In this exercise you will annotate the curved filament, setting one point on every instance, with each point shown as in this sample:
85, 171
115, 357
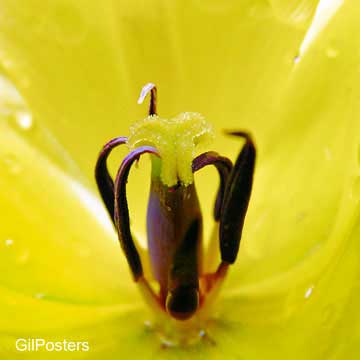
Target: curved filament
103, 179
223, 166
121, 210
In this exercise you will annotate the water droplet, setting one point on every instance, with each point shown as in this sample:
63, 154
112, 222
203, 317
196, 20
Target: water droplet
297, 59
148, 324
205, 337
165, 343
9, 242
309, 291
331, 53
24, 120
17, 253
12, 164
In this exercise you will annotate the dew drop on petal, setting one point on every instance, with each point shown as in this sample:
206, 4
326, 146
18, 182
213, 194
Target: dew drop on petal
9, 242
297, 59
16, 117
331, 53
17, 253
167, 343
148, 324
202, 333
24, 120
309, 292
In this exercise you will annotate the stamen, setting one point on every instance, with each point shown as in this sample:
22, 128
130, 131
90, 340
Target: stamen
103, 179
223, 166
122, 222
150, 87
236, 199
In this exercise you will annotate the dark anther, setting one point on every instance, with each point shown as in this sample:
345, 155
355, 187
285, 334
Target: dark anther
103, 179
122, 222
236, 200
223, 166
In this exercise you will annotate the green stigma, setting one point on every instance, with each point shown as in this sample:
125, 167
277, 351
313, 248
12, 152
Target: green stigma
177, 140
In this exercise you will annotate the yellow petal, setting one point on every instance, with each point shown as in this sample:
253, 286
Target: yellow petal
60, 260
295, 12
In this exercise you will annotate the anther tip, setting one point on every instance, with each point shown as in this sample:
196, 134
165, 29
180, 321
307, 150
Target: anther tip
244, 134
144, 91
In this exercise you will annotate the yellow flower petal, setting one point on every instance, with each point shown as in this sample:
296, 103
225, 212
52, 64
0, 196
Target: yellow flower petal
60, 264
268, 66
295, 12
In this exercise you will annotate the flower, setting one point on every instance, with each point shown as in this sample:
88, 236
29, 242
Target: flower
287, 71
